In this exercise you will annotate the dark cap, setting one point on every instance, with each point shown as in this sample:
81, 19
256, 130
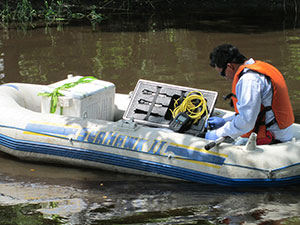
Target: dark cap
224, 54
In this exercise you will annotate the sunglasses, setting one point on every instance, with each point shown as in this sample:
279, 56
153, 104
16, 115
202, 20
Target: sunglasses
222, 73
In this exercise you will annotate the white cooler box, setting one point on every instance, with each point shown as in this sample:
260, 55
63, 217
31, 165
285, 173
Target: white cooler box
94, 100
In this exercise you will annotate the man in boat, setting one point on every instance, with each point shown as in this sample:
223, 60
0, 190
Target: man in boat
259, 97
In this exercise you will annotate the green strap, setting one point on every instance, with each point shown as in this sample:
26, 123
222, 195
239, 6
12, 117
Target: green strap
55, 94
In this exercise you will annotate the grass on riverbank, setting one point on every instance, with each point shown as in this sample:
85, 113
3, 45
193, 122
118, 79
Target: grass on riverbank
50, 12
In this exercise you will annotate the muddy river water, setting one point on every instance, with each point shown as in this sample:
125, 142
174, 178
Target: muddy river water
32, 193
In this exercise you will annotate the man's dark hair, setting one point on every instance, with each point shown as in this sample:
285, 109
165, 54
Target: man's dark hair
224, 54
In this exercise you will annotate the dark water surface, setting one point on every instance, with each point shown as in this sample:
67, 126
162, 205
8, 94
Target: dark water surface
48, 194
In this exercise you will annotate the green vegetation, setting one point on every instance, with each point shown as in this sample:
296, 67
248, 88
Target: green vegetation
58, 11
26, 214
291, 221
50, 12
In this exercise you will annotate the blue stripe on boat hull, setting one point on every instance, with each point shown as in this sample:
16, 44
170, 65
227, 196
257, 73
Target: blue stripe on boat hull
137, 164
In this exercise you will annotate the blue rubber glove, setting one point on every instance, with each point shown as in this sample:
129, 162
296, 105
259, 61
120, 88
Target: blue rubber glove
211, 135
215, 122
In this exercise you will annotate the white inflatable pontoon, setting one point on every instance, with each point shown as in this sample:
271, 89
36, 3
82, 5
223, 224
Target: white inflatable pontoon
91, 126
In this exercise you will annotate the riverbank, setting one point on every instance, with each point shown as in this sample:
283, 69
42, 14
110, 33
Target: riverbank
34, 13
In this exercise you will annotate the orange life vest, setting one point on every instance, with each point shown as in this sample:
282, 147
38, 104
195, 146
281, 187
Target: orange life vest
281, 105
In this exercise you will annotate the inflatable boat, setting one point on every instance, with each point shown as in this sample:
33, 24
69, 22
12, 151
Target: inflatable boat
81, 121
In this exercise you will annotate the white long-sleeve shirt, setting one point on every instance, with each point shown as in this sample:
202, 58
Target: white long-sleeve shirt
252, 90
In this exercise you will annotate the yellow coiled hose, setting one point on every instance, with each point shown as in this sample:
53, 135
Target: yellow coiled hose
195, 112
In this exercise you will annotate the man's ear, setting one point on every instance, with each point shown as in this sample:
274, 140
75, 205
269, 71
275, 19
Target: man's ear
232, 66
229, 65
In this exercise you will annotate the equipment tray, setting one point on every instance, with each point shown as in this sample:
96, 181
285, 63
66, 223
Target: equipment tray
151, 104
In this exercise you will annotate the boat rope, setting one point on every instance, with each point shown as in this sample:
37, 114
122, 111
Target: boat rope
194, 104
265, 171
56, 92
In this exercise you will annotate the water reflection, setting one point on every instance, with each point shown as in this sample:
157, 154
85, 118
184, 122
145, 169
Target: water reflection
81, 196
177, 56
57, 195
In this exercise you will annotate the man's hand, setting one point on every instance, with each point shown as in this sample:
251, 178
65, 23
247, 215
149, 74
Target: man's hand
211, 135
215, 122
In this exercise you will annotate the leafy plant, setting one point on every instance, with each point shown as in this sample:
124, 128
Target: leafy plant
52, 12
57, 11
94, 17
24, 11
